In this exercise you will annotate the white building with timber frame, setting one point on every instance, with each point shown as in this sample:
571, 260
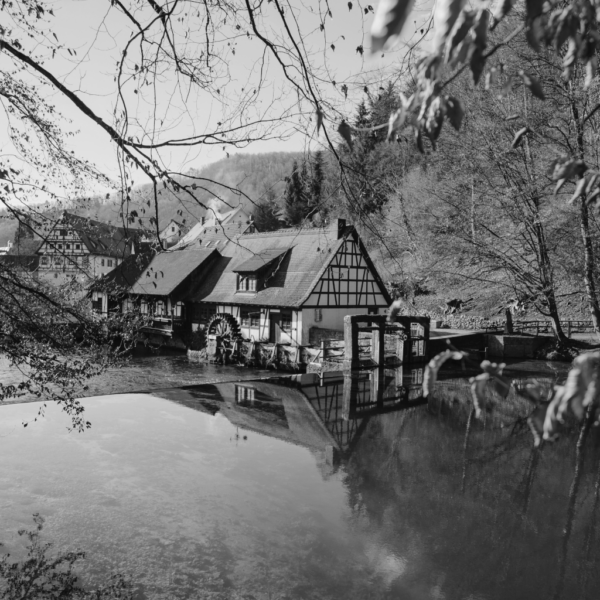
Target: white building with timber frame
83, 249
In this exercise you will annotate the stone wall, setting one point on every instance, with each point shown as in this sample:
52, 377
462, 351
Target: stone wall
316, 334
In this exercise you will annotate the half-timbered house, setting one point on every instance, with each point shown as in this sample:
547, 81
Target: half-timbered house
172, 233
83, 249
290, 285
153, 285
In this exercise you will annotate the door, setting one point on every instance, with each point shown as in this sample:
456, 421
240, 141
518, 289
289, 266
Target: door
275, 327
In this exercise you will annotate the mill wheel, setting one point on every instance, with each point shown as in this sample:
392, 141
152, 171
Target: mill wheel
224, 325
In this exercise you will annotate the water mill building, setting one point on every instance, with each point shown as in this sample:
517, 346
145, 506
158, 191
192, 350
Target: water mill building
287, 286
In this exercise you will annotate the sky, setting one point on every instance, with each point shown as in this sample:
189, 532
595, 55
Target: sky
95, 32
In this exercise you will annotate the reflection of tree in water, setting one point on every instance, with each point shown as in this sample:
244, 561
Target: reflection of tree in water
475, 505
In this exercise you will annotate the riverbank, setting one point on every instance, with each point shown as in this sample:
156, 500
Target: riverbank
146, 374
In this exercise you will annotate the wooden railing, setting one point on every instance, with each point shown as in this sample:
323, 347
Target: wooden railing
545, 326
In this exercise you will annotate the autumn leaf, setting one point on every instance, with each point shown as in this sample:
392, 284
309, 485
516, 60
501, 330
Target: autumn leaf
590, 71
435, 118
396, 121
346, 132
319, 119
566, 168
434, 365
419, 140
388, 22
459, 33
532, 84
579, 189
519, 136
478, 392
444, 18
504, 7
454, 112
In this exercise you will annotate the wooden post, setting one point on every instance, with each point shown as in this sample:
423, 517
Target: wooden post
322, 351
508, 326
378, 344
376, 384
568, 329
349, 397
351, 355
399, 347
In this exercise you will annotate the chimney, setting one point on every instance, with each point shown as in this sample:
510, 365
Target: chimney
338, 226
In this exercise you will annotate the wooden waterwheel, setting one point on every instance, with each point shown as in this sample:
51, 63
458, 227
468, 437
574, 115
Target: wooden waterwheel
224, 325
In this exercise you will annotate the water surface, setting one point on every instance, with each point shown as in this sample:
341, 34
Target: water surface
309, 488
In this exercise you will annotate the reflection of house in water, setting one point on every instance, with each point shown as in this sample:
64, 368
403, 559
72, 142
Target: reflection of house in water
323, 412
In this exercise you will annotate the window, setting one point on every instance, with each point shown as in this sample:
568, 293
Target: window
68, 246
318, 315
244, 394
60, 246
128, 305
286, 322
159, 308
58, 260
109, 262
250, 317
417, 330
102, 263
45, 260
86, 262
178, 310
62, 232
144, 307
77, 246
246, 283
418, 348
416, 376
203, 313
173, 229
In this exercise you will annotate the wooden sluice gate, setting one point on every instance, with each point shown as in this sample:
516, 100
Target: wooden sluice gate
369, 341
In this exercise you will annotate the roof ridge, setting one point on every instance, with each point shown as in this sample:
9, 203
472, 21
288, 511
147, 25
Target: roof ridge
292, 231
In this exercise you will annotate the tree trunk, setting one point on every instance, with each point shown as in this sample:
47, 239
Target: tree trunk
588, 272
588, 249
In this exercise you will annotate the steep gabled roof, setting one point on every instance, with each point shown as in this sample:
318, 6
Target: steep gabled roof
101, 238
123, 276
261, 260
168, 270
290, 281
204, 232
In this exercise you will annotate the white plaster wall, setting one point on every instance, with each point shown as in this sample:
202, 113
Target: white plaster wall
264, 330
333, 318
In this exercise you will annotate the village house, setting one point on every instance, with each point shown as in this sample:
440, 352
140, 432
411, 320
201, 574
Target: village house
290, 286
172, 233
154, 285
237, 218
77, 248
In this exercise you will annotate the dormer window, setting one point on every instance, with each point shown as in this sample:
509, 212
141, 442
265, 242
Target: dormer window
246, 283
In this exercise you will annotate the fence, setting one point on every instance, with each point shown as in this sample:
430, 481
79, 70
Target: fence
545, 326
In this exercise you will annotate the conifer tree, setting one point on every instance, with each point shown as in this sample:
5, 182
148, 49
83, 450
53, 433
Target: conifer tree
296, 200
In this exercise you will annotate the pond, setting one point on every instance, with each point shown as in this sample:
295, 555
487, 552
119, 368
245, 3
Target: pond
310, 487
